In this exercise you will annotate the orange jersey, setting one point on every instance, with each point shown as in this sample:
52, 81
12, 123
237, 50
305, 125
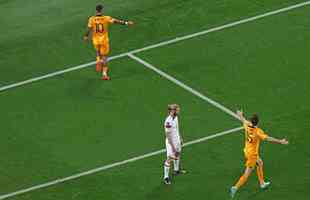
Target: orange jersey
99, 25
253, 137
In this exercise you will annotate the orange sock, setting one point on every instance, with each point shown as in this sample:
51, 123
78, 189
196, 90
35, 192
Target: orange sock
98, 64
260, 174
242, 180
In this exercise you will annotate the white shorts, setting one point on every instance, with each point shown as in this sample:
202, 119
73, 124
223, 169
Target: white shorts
177, 146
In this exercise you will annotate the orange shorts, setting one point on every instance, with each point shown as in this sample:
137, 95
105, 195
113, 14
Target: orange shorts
101, 45
251, 160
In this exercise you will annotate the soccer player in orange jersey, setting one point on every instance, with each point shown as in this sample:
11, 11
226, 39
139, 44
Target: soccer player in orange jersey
98, 25
253, 137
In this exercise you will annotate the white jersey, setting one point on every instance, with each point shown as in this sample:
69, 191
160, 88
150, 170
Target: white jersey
172, 126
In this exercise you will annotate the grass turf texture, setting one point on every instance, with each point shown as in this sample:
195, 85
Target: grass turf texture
76, 122
268, 75
44, 36
73, 123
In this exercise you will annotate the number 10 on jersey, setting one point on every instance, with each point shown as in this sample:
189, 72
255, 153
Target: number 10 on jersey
99, 28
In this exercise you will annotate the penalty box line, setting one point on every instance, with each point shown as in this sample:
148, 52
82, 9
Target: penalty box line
116, 164
184, 86
160, 44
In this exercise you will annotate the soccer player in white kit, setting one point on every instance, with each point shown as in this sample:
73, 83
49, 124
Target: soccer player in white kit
173, 142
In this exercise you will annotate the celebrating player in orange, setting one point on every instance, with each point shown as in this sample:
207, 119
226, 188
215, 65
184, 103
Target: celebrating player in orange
98, 25
253, 137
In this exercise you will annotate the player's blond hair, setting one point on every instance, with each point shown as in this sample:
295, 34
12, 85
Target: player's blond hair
173, 107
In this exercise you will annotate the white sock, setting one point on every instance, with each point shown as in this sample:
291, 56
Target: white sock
166, 170
176, 164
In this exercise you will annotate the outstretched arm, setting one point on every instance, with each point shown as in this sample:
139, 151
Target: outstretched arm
277, 141
122, 22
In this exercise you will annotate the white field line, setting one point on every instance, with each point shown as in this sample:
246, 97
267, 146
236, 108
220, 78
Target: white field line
236, 23
182, 85
105, 167
45, 76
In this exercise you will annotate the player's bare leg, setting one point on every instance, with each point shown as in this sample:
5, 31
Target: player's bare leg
242, 180
105, 68
260, 174
167, 165
98, 62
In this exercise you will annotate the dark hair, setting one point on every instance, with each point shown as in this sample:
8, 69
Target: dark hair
254, 119
99, 8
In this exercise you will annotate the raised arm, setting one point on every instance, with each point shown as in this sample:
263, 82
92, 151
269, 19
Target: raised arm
241, 116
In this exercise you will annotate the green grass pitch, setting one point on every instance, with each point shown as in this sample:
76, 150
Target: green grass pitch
75, 122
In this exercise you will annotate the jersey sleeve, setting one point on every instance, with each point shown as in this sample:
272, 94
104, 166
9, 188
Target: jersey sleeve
168, 126
110, 19
261, 134
90, 22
